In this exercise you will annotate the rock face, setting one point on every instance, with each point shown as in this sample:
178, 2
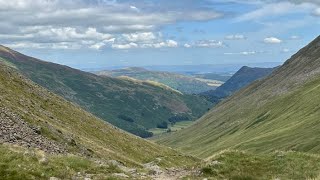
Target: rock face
15, 130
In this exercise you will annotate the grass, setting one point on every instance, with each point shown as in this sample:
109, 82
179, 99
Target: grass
61, 121
176, 127
20, 163
280, 112
239, 165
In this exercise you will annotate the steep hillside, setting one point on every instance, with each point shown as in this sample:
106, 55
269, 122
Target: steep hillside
240, 79
32, 117
183, 83
134, 106
280, 112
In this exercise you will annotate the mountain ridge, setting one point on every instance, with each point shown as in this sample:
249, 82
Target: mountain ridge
243, 77
183, 83
132, 106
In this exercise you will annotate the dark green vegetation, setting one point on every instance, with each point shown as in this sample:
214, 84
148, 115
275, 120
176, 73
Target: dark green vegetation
240, 79
79, 132
185, 84
237, 165
279, 112
143, 104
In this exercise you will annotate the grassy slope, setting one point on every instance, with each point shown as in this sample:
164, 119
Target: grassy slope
280, 112
185, 84
237, 165
107, 98
21, 163
61, 120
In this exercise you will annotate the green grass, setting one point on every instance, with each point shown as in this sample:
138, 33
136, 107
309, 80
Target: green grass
176, 127
20, 163
238, 165
110, 98
280, 112
61, 120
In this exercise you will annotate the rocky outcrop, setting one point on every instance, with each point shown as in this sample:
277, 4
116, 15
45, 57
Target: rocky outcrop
15, 130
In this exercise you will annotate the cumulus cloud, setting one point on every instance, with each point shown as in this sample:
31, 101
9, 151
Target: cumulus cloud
162, 44
88, 24
209, 44
285, 50
245, 53
187, 45
272, 40
294, 37
125, 46
235, 37
165, 44
140, 37
316, 12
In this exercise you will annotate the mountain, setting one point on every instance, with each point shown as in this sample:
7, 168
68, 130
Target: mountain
209, 68
223, 77
240, 79
279, 112
132, 105
185, 84
42, 135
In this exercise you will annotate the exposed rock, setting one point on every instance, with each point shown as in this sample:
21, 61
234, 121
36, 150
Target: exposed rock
53, 178
120, 175
15, 130
153, 168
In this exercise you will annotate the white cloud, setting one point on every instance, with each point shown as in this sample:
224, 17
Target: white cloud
294, 37
235, 37
316, 12
272, 40
89, 23
164, 44
140, 37
245, 53
209, 44
134, 8
125, 46
187, 45
285, 50
276, 9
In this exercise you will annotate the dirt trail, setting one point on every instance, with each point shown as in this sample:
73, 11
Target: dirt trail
174, 174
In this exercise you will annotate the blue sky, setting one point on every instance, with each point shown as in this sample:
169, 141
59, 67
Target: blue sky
104, 33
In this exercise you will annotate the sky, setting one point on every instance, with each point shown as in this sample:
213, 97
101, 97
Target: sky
106, 33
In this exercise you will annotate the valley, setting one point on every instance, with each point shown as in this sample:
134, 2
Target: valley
129, 104
184, 83
159, 90
258, 131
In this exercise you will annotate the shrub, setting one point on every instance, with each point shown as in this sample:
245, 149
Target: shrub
163, 125
175, 119
126, 118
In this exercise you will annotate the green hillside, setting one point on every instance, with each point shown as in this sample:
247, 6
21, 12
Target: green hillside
183, 83
243, 77
70, 139
134, 106
280, 112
